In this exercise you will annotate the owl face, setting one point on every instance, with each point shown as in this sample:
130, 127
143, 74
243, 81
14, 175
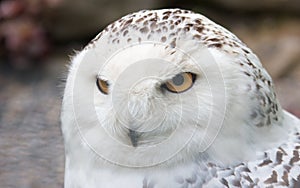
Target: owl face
163, 82
146, 97
150, 95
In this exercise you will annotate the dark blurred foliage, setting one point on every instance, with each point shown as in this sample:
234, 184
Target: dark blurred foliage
28, 28
242, 6
23, 38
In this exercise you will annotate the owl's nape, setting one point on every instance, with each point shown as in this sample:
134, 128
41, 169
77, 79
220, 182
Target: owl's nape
168, 98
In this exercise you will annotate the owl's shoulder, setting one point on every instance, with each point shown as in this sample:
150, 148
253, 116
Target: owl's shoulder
278, 166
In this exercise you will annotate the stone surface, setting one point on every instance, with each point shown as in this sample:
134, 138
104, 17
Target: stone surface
31, 144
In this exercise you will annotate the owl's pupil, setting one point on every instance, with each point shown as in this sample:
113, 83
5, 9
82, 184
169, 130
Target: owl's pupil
178, 80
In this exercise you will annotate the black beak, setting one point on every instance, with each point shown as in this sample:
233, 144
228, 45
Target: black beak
134, 136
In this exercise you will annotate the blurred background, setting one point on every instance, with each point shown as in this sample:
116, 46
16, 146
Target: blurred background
38, 36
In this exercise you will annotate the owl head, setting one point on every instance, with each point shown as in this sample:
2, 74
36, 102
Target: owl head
164, 86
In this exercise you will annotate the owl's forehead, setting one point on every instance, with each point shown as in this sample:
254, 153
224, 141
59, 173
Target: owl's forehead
168, 31
148, 60
168, 26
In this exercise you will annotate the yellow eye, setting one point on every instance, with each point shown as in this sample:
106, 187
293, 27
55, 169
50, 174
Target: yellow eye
102, 86
180, 83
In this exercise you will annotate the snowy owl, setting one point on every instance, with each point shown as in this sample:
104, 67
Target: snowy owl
168, 98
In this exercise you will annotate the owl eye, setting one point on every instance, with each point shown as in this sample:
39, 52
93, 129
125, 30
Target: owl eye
180, 83
102, 85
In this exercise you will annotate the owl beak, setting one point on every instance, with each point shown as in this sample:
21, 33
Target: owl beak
134, 136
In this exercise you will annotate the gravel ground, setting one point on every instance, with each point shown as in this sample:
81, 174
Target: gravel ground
31, 144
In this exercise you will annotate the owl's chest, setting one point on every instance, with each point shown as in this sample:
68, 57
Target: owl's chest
92, 177
274, 170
